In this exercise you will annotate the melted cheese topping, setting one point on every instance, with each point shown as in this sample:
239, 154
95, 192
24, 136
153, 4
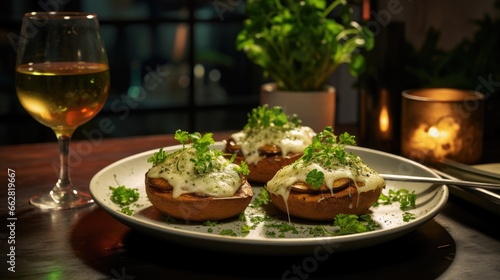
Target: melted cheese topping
289, 141
179, 171
281, 183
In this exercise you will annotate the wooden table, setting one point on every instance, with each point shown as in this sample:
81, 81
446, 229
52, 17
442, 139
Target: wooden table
462, 241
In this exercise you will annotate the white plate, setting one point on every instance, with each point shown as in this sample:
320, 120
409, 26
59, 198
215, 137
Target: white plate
130, 172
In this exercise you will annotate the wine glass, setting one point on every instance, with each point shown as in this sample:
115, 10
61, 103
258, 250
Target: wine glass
62, 80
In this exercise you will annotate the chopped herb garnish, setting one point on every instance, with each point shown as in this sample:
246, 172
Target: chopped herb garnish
407, 216
317, 231
127, 211
242, 217
124, 196
246, 229
282, 229
210, 223
349, 224
229, 232
406, 199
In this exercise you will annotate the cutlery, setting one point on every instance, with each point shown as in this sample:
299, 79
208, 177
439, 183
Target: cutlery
487, 199
407, 178
466, 172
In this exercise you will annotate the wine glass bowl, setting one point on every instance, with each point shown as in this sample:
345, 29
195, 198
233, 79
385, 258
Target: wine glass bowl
62, 80
62, 95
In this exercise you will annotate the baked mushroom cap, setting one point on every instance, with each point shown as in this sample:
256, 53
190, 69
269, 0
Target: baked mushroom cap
326, 181
269, 140
325, 204
266, 167
192, 207
196, 183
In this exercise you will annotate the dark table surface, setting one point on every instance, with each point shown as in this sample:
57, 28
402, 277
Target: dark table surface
460, 242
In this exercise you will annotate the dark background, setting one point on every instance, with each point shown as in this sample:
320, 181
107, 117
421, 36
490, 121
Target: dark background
450, 43
143, 37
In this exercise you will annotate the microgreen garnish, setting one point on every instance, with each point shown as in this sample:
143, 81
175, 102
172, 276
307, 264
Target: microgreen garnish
158, 157
204, 159
242, 168
182, 137
328, 150
265, 116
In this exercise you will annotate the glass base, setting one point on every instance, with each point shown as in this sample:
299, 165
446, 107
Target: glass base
61, 200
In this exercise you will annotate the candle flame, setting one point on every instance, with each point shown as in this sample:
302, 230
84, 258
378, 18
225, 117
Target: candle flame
384, 120
440, 139
438, 134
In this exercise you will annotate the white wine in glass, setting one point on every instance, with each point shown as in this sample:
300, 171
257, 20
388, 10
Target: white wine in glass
62, 80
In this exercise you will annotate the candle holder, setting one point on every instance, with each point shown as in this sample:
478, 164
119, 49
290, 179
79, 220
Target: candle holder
438, 123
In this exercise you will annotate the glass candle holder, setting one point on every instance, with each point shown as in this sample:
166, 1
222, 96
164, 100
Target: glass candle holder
438, 123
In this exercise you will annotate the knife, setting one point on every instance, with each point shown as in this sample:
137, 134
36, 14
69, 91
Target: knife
466, 172
407, 178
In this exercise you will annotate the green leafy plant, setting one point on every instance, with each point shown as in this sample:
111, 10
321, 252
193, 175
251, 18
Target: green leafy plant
299, 44
462, 64
458, 67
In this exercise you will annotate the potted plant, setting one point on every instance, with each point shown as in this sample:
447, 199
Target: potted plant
299, 44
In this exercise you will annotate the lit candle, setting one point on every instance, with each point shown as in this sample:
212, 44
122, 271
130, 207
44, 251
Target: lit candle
384, 121
442, 123
440, 140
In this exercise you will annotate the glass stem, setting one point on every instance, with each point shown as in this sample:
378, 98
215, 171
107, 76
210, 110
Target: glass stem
64, 182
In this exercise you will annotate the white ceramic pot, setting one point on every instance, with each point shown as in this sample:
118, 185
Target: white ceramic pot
316, 109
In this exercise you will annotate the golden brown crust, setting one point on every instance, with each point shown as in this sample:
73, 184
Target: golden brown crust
196, 208
263, 170
323, 205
